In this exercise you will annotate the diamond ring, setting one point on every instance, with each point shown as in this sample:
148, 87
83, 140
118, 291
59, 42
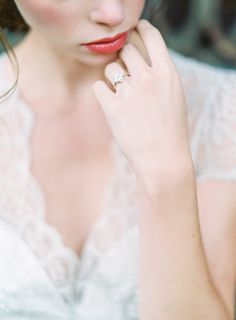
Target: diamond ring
118, 78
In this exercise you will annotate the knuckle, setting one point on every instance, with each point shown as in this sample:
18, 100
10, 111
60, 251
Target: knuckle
146, 79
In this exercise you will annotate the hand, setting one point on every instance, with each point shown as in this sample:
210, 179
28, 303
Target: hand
147, 113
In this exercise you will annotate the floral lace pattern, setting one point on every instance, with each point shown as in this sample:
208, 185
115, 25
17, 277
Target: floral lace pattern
211, 98
50, 280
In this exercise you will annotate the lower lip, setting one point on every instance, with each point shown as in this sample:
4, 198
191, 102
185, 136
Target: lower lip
108, 47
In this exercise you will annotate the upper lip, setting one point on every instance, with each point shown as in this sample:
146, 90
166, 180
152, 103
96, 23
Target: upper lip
108, 39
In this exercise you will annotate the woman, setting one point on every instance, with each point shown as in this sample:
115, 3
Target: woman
115, 203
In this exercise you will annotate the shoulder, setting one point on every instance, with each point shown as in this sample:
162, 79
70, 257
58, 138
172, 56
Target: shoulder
207, 88
16, 120
201, 79
185, 63
211, 100
7, 83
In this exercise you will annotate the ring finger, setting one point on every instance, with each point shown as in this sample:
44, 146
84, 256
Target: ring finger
117, 76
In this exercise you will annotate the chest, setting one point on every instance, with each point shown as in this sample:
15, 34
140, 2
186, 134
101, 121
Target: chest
74, 182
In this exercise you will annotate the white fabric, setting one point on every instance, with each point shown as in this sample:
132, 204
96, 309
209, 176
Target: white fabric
41, 278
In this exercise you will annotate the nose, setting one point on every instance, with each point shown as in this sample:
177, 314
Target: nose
108, 12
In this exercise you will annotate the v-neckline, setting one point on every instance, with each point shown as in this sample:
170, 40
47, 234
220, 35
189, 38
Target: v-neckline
23, 105
24, 110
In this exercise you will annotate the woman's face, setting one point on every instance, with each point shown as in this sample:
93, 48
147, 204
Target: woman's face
67, 24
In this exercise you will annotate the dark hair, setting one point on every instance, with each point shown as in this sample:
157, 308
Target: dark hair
10, 18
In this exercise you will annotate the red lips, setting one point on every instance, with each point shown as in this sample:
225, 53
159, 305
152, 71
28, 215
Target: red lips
108, 45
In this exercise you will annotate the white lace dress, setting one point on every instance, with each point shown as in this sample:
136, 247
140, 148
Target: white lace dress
41, 278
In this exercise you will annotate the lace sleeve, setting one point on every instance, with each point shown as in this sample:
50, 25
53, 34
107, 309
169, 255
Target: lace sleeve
215, 153
211, 99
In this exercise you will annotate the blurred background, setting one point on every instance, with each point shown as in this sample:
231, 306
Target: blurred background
203, 29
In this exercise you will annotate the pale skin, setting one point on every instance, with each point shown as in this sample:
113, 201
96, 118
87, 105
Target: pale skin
147, 118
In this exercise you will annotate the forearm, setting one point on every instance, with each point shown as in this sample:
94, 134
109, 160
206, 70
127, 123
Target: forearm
175, 282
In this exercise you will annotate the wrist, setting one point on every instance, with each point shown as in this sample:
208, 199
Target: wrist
154, 175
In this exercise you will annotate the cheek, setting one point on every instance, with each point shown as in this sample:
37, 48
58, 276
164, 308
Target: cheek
44, 12
137, 7
140, 3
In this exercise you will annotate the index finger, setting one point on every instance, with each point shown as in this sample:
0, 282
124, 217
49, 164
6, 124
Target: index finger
155, 44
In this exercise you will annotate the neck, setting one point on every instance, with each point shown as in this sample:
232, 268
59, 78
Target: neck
56, 71
53, 84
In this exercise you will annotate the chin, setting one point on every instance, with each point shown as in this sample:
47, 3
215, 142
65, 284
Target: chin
96, 60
